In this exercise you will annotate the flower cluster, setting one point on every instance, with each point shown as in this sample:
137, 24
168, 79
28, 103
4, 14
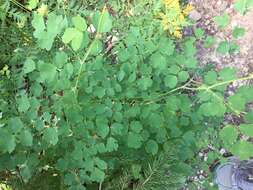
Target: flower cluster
174, 17
5, 71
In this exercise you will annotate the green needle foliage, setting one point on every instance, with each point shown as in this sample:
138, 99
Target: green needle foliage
78, 112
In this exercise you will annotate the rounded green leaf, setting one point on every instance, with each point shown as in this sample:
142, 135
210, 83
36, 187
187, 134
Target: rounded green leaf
121, 75
97, 175
15, 124
68, 35
29, 66
222, 21
99, 92
102, 21
229, 134
170, 81
116, 128
249, 117
26, 138
152, 147
77, 40
174, 69
227, 74
47, 71
112, 144
7, 141
158, 61
134, 140
101, 164
102, 127
25, 172
237, 101
50, 135
247, 129
210, 77
79, 23
136, 126
223, 47
243, 150
32, 4
209, 41
23, 103
145, 83
199, 33
238, 32
183, 76
166, 46
74, 36
96, 47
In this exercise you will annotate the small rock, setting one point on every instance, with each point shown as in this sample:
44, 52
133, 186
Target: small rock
201, 154
222, 151
188, 31
195, 15
91, 29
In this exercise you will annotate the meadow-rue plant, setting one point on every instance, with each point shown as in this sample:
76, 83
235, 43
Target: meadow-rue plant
79, 110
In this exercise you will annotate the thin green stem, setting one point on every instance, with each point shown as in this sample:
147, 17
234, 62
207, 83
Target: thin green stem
203, 87
89, 49
82, 63
225, 82
159, 97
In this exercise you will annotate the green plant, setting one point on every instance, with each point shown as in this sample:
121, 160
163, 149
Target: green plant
79, 111
222, 21
242, 6
238, 32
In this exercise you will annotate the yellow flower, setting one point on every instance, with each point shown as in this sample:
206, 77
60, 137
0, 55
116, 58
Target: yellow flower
43, 10
181, 18
188, 9
178, 34
5, 68
164, 21
174, 18
171, 3
165, 25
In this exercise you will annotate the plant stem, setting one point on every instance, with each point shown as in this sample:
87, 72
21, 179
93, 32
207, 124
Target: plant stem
89, 49
225, 82
100, 186
203, 87
169, 92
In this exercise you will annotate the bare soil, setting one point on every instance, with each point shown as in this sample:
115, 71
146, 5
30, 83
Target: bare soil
242, 61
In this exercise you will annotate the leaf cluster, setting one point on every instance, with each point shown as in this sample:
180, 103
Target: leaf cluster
101, 113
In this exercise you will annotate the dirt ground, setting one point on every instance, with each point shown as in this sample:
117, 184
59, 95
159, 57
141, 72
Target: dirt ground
205, 12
